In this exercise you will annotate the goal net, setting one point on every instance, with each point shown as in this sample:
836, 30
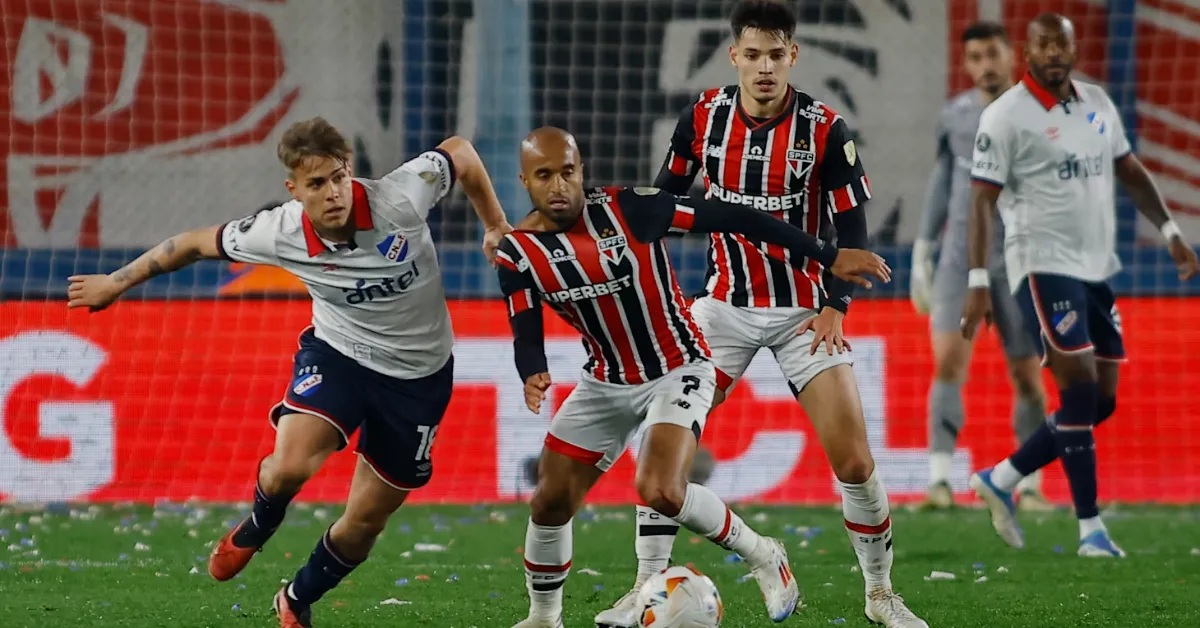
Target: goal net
127, 121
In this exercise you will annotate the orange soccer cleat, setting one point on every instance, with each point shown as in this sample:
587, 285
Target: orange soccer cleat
228, 560
289, 618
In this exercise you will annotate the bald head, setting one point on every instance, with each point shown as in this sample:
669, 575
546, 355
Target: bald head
547, 142
1050, 52
552, 171
1052, 24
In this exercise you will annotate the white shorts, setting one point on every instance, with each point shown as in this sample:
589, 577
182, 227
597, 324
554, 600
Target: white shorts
735, 334
595, 422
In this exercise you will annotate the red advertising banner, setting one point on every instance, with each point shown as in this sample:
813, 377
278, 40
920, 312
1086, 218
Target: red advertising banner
168, 401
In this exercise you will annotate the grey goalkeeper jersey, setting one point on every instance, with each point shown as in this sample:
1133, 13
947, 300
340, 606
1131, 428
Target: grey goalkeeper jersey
948, 192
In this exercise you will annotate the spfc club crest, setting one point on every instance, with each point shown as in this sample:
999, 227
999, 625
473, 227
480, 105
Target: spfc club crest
799, 162
612, 246
394, 248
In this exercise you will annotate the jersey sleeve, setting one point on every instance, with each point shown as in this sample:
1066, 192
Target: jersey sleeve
937, 188
411, 190
524, 310
843, 179
252, 239
681, 165
1117, 137
994, 148
652, 213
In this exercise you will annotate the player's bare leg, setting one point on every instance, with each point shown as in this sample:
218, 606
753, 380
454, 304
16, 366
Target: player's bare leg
663, 464
832, 402
344, 546
654, 539
563, 482
302, 444
1029, 414
951, 356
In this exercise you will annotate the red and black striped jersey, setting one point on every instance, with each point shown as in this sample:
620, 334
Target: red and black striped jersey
801, 166
610, 277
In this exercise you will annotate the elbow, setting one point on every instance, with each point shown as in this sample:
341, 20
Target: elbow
464, 159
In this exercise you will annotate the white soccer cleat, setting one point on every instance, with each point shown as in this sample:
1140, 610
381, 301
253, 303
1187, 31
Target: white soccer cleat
885, 607
1032, 500
1099, 545
534, 622
776, 581
623, 614
1000, 504
938, 497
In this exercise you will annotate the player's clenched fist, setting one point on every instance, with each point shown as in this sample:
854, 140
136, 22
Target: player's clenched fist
535, 391
94, 292
852, 264
977, 309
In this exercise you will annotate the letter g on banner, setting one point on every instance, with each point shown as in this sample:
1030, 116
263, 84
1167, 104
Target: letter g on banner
88, 426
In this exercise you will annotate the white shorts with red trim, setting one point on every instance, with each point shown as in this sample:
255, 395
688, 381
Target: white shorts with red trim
735, 335
595, 422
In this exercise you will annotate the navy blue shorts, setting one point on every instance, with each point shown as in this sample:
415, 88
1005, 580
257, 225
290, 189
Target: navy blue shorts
397, 418
1071, 316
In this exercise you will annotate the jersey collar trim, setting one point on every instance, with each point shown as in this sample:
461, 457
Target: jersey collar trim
764, 125
360, 212
1043, 95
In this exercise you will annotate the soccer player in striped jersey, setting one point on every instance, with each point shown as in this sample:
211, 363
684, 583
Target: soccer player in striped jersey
1047, 156
598, 260
768, 146
378, 355
988, 58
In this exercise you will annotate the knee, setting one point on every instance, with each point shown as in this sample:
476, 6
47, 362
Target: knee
663, 494
854, 469
286, 474
949, 371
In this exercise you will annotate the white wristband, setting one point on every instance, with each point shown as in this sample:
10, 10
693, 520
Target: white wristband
1170, 229
977, 278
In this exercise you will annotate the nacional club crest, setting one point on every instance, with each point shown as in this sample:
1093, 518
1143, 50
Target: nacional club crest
1097, 122
799, 162
394, 248
612, 246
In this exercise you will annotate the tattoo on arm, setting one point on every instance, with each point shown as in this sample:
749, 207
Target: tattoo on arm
122, 276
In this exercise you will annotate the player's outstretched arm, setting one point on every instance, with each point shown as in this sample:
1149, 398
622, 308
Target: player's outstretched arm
933, 219
477, 185
680, 167
653, 213
1150, 202
97, 292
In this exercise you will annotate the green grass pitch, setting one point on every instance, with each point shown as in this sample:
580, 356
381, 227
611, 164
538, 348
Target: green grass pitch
138, 566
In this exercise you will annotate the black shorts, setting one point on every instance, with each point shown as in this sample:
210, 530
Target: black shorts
1071, 316
398, 418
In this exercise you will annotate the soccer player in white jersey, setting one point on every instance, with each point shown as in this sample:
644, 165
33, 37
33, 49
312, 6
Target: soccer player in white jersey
767, 145
1045, 156
988, 59
377, 356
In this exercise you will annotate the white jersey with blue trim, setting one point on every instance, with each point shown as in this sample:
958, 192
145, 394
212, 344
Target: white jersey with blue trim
1054, 161
378, 300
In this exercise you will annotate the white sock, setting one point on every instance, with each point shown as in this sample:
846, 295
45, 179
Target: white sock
1005, 476
1090, 525
940, 464
705, 514
1031, 483
869, 526
547, 563
655, 538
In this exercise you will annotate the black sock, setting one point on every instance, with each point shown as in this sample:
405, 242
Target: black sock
323, 571
1106, 408
1039, 450
262, 523
1077, 445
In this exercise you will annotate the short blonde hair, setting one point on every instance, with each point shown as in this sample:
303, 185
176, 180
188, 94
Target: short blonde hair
314, 137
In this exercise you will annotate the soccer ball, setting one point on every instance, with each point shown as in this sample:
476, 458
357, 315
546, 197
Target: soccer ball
680, 597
